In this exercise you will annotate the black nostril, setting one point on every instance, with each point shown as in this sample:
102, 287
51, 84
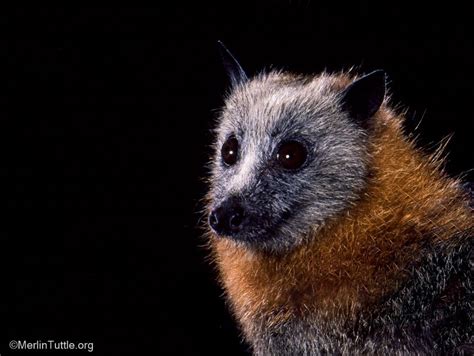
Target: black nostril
236, 219
228, 218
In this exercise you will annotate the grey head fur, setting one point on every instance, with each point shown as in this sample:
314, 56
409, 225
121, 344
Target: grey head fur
281, 207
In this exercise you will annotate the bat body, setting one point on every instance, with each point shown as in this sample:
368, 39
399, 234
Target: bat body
331, 231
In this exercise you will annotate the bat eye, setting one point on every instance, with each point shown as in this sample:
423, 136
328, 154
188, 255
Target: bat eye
291, 155
230, 150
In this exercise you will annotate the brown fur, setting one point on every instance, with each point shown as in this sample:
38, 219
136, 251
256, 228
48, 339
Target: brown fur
361, 255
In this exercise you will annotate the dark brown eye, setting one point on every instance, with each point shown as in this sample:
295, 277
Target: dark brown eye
229, 150
291, 155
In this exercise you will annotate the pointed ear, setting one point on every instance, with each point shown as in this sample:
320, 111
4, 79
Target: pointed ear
363, 98
234, 70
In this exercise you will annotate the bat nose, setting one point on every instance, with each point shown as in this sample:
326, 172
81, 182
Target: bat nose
228, 218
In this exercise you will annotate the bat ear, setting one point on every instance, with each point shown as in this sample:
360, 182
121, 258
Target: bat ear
234, 70
363, 98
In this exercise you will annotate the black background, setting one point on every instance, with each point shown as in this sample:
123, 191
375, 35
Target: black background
104, 132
